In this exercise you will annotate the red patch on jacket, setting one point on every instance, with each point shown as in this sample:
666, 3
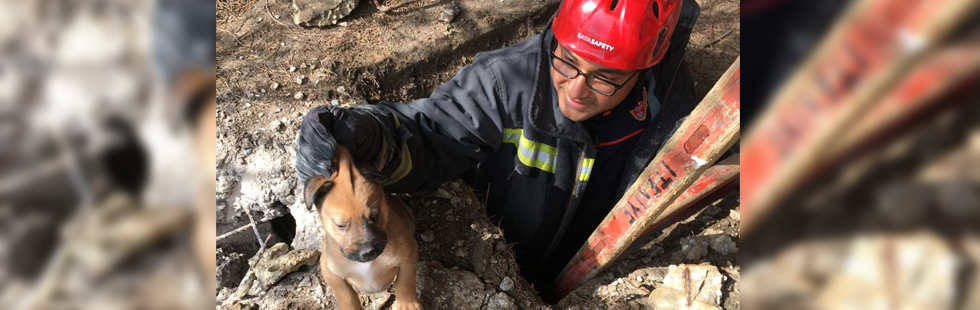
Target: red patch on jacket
640, 111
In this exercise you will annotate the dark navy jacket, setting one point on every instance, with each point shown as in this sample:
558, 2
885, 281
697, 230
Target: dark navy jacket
498, 122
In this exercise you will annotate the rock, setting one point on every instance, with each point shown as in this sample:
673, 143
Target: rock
301, 79
918, 269
231, 268
335, 102
319, 13
298, 290
500, 301
298, 95
447, 15
237, 305
500, 246
688, 287
666, 298
442, 193
278, 261
292, 68
309, 228
723, 244
479, 255
275, 86
506, 284
694, 247
443, 288
276, 125
428, 235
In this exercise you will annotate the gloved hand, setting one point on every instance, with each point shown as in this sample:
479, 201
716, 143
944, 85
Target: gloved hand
316, 145
325, 126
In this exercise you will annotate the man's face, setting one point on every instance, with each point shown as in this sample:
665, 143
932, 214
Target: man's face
576, 100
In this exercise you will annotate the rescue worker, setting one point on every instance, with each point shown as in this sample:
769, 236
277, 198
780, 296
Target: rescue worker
552, 130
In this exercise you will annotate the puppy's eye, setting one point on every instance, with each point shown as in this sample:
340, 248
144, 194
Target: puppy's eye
373, 217
342, 226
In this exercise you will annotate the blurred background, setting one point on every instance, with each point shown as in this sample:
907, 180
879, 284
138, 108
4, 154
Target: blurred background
860, 184
106, 154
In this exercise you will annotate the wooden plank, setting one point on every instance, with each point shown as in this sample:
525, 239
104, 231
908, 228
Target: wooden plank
870, 49
710, 130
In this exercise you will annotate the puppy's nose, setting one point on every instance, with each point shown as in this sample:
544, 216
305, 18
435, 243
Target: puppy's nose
368, 253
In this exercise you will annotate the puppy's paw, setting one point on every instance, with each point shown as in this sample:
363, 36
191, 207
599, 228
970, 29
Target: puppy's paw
406, 305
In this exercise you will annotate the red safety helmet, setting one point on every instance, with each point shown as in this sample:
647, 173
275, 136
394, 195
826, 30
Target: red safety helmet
621, 34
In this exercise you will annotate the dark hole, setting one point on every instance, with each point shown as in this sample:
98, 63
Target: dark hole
284, 226
612, 6
126, 162
656, 10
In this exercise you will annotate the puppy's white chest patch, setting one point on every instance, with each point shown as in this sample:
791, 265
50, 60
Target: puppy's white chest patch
363, 272
365, 278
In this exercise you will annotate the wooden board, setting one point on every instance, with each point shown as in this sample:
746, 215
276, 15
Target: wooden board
710, 130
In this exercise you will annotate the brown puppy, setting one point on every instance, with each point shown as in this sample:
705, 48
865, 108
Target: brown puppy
370, 237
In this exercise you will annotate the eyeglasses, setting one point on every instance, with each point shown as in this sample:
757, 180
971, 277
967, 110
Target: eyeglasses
597, 83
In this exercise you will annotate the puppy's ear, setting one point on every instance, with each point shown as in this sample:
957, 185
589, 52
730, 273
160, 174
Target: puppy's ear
314, 191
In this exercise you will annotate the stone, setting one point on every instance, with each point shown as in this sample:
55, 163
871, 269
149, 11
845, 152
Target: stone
500, 245
506, 284
309, 228
231, 268
688, 287
919, 268
723, 244
447, 15
443, 288
275, 86
500, 301
666, 298
694, 247
278, 261
300, 79
479, 255
320, 13
298, 95
276, 125
299, 290
292, 68
428, 235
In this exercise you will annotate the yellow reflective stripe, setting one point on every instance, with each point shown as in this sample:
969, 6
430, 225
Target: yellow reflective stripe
397, 122
583, 175
538, 155
404, 167
538, 147
512, 135
533, 154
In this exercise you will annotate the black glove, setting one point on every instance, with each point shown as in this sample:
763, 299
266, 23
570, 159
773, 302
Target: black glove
325, 126
316, 145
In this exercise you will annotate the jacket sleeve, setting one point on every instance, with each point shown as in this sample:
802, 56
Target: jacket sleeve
418, 145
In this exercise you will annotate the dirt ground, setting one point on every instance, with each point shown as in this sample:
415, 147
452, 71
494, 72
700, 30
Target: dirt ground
263, 61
